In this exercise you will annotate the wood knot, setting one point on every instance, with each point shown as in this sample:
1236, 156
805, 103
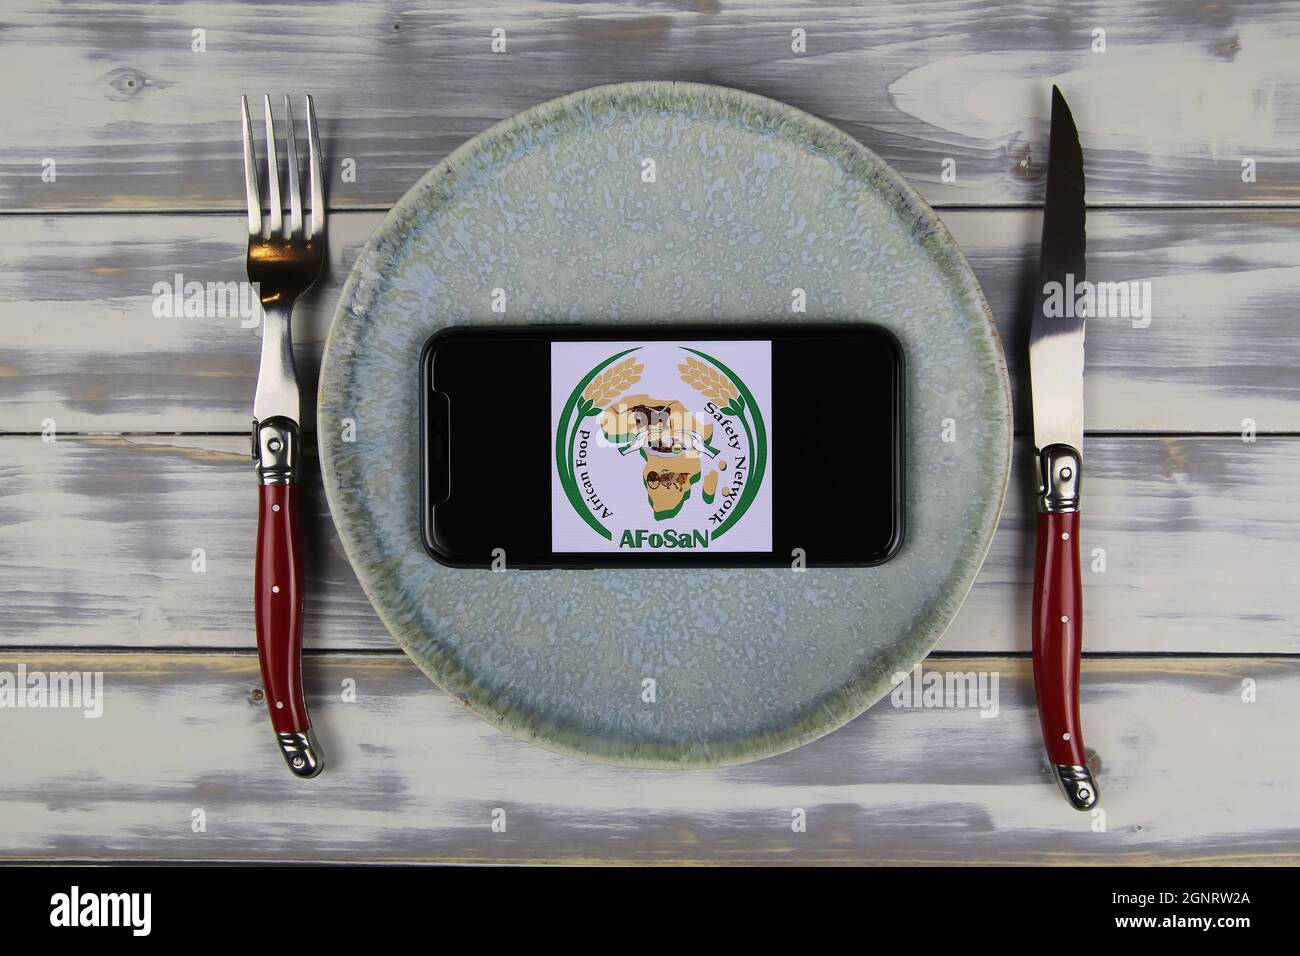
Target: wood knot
1023, 162
125, 82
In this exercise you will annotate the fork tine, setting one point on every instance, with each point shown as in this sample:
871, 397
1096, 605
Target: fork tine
291, 157
273, 170
250, 175
317, 182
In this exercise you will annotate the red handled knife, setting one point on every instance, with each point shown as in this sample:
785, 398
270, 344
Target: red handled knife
1056, 377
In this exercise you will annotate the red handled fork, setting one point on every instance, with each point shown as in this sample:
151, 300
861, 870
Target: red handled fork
283, 263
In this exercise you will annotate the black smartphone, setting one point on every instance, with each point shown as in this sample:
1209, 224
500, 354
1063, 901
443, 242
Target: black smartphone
665, 446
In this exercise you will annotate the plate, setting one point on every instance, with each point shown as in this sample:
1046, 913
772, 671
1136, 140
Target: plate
665, 202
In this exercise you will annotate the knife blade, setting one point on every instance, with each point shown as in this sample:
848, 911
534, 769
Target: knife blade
1056, 388
1056, 335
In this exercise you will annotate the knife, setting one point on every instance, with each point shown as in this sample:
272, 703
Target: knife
1056, 387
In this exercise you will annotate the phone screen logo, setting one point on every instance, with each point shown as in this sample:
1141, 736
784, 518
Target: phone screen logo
677, 426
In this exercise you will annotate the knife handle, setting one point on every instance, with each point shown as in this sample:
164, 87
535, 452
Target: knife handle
278, 595
1058, 625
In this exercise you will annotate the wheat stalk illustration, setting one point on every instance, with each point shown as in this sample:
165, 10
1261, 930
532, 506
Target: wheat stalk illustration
612, 383
708, 382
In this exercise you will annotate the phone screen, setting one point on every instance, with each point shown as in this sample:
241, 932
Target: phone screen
662, 446
579, 446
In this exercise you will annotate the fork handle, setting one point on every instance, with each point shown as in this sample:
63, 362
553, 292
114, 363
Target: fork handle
278, 595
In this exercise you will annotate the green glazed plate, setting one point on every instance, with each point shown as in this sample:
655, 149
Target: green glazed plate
750, 199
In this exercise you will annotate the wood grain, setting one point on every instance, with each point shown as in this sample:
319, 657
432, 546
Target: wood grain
97, 540
114, 93
81, 343
412, 776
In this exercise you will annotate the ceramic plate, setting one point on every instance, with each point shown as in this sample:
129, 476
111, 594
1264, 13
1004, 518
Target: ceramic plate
746, 201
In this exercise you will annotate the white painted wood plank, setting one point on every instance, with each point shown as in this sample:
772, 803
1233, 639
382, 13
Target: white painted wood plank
411, 775
134, 118
97, 540
81, 342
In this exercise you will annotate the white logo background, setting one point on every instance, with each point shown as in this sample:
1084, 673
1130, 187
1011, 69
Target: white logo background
617, 478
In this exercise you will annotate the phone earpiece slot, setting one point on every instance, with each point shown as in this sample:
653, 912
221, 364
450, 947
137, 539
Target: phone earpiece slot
438, 462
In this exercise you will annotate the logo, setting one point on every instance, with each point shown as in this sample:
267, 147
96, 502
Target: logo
1104, 300
75, 908
78, 690
662, 447
200, 300
925, 690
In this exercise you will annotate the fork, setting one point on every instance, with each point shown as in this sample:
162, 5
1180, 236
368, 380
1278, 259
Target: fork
283, 263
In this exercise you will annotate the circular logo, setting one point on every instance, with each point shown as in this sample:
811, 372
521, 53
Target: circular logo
672, 424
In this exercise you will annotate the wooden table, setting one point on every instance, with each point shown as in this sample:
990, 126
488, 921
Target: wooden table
127, 517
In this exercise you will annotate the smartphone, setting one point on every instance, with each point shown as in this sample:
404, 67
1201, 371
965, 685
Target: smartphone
571, 446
